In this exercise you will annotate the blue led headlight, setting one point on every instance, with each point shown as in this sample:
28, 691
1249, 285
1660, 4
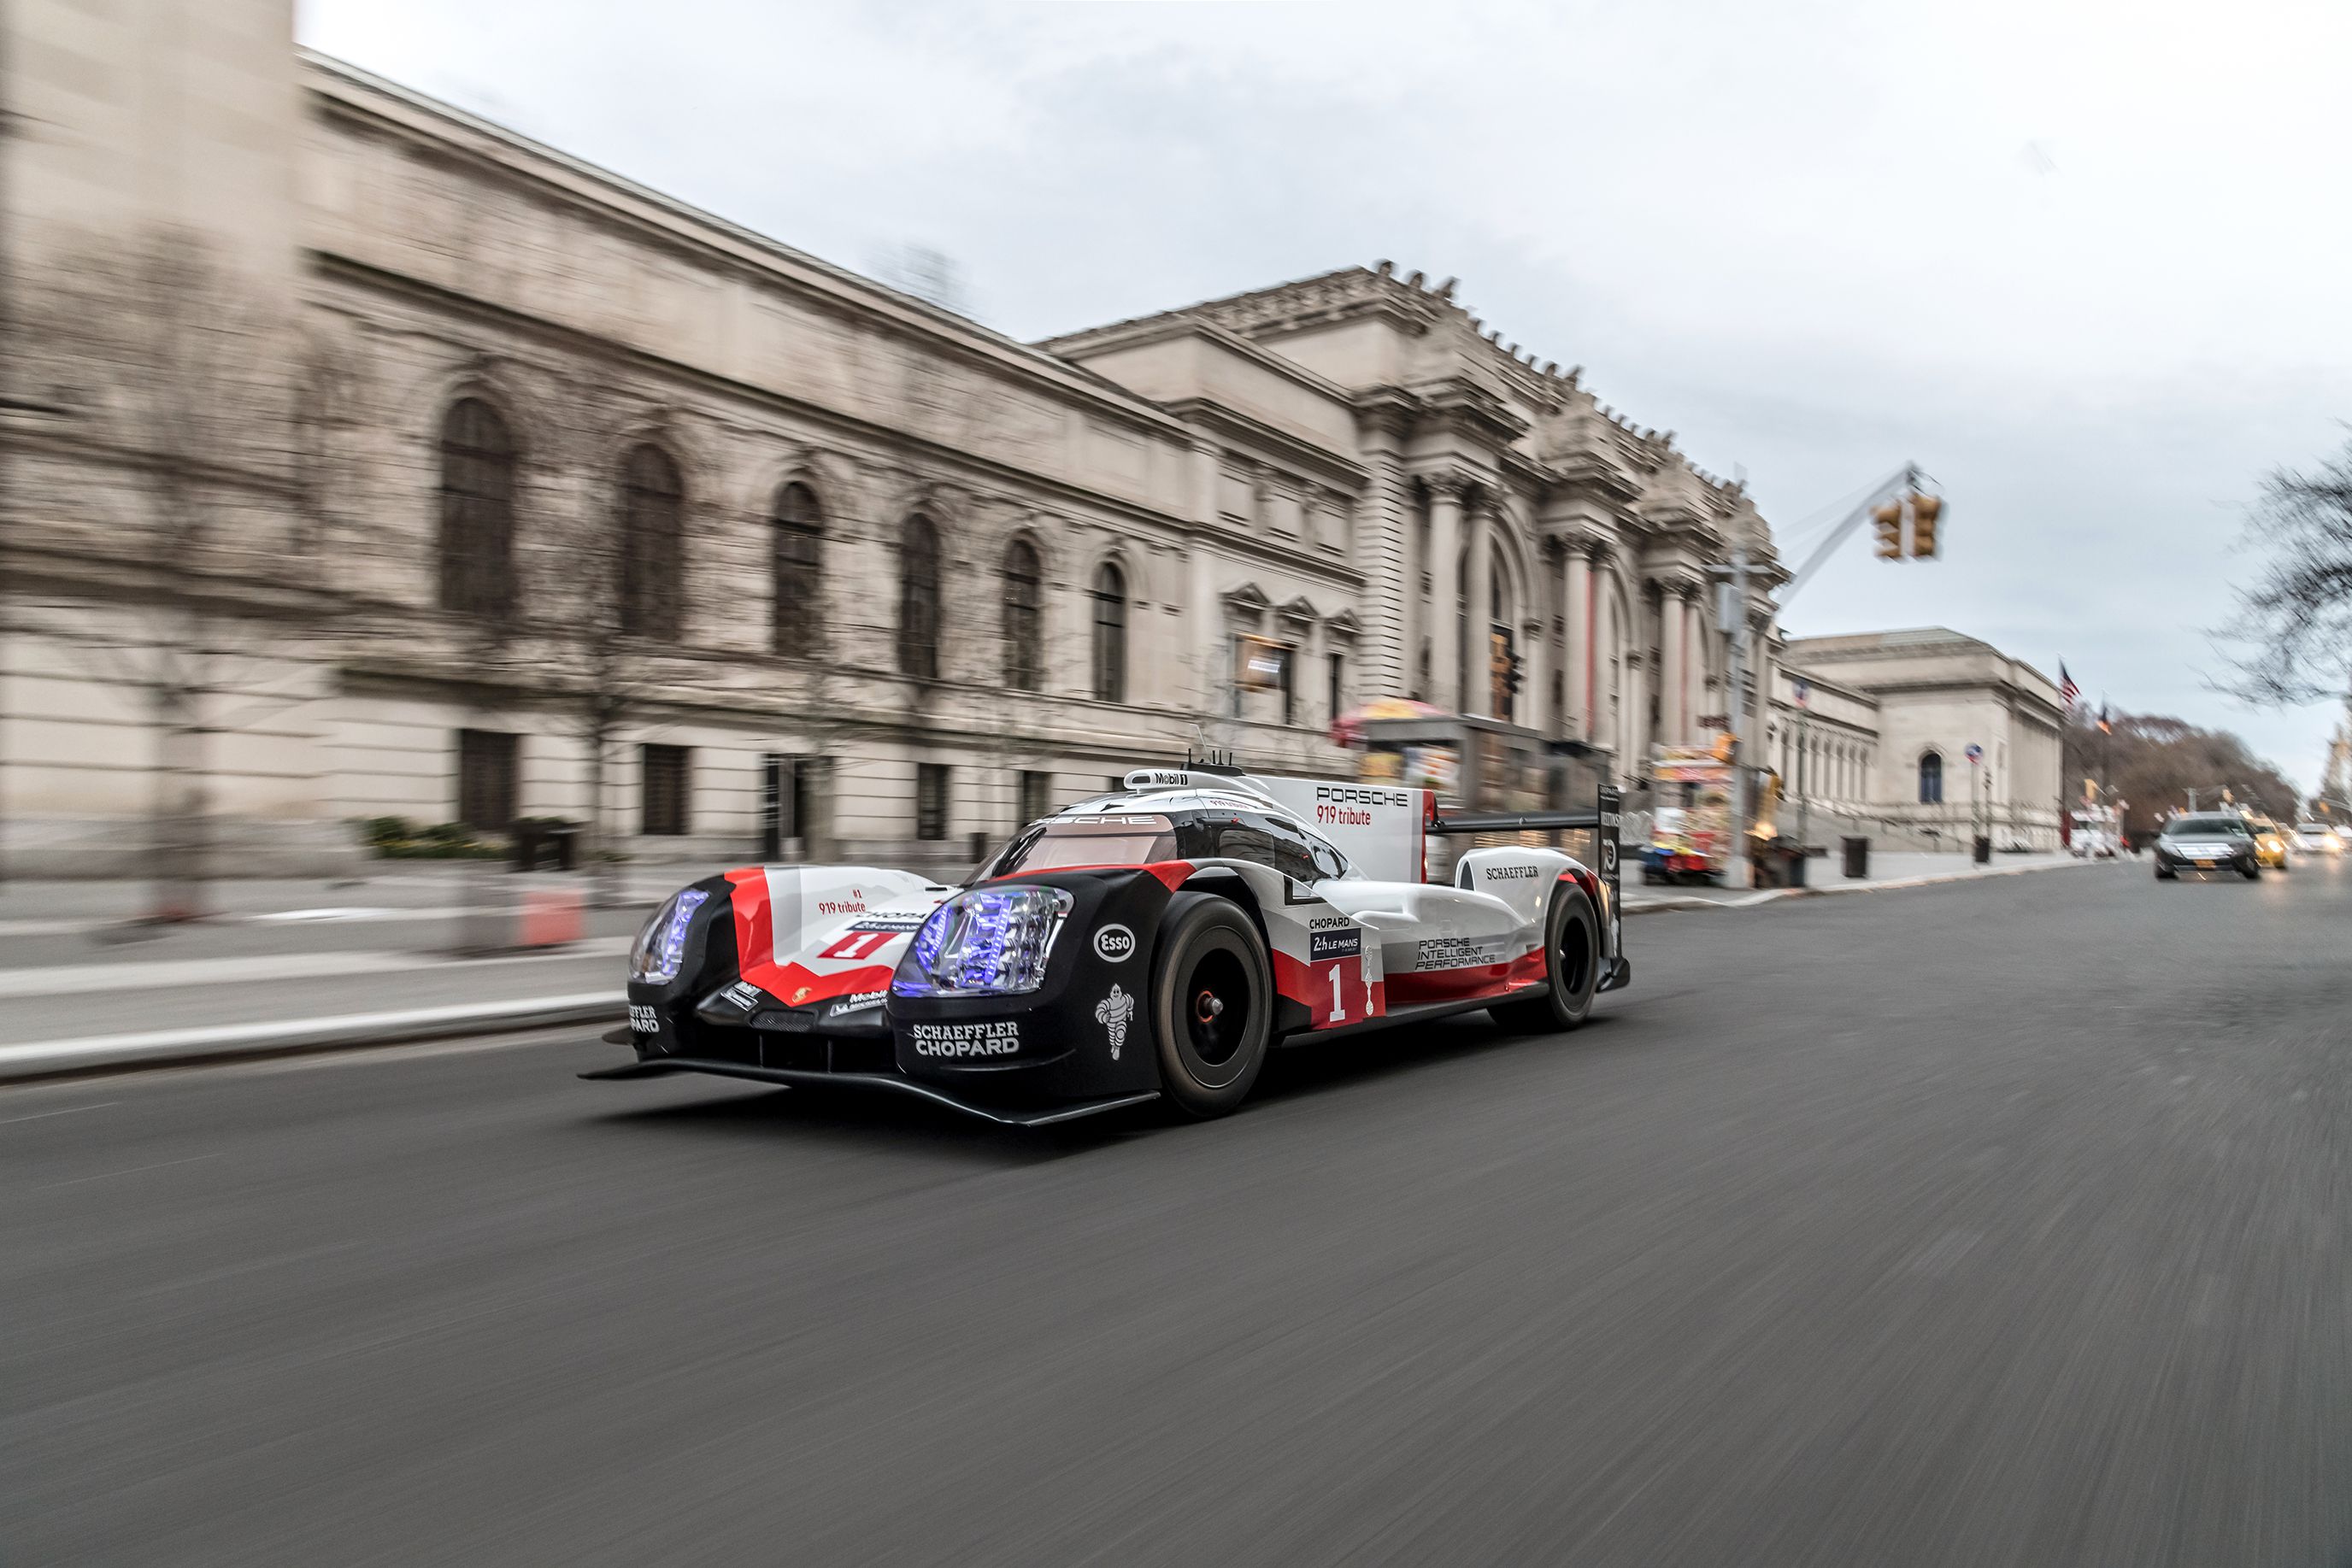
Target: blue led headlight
660, 946
992, 941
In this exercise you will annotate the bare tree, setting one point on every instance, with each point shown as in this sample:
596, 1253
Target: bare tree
161, 530
2295, 625
595, 631
2153, 762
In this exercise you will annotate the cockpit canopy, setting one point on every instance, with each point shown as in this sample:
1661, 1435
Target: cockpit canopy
1095, 835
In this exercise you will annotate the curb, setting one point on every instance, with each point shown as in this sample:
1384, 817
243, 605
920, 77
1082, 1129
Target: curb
1767, 895
225, 1042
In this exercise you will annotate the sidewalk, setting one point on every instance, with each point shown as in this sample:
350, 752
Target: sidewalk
1906, 868
399, 891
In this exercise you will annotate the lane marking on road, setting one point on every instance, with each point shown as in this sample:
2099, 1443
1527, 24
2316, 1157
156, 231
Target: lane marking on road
291, 915
67, 1111
130, 974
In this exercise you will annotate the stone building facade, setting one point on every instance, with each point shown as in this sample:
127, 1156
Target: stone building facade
520, 485
1882, 735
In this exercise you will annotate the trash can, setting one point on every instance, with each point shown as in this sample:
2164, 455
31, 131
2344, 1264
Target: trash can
565, 840
526, 846
1983, 855
1857, 856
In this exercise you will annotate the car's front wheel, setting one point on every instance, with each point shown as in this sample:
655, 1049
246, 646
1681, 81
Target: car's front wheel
2254, 870
1211, 1004
1571, 969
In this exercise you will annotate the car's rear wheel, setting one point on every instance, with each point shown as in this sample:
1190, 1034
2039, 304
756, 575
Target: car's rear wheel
2166, 874
2254, 870
1211, 1004
1571, 969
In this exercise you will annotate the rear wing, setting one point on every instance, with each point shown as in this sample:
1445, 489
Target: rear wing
1384, 829
1604, 822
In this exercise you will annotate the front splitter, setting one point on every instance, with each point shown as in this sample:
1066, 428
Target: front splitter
1045, 1117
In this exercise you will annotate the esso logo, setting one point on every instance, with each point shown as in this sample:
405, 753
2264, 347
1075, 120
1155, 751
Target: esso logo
1113, 944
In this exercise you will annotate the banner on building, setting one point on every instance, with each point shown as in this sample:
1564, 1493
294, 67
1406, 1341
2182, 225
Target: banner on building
1260, 664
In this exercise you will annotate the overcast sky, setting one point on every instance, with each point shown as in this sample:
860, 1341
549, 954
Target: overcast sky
2087, 264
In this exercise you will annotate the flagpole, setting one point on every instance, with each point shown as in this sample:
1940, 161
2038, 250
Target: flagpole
2106, 748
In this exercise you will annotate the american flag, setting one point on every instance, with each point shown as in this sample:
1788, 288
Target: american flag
2068, 690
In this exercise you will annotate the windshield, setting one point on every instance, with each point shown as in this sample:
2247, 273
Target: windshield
2207, 828
1088, 840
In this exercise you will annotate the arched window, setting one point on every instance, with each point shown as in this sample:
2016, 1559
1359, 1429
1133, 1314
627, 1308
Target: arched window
918, 599
653, 544
797, 535
1111, 635
477, 473
1024, 664
1931, 779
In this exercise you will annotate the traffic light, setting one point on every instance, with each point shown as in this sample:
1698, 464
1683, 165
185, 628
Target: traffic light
1515, 674
1888, 520
1925, 510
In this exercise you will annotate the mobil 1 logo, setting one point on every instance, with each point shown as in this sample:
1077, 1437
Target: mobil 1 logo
1113, 944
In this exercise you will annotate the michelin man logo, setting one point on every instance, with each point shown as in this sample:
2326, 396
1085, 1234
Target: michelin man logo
1112, 1012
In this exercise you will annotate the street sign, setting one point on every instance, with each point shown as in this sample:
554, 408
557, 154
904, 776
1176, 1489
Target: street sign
1975, 752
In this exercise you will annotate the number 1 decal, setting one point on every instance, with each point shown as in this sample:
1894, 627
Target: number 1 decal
1338, 1003
857, 944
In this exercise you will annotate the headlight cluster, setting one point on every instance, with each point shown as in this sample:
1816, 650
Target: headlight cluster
660, 946
987, 941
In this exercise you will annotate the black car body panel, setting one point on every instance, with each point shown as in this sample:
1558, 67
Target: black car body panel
1069, 1039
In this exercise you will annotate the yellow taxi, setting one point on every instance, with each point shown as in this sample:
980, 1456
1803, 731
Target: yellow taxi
2270, 843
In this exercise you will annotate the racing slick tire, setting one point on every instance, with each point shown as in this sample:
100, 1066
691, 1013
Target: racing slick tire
1211, 1004
1571, 970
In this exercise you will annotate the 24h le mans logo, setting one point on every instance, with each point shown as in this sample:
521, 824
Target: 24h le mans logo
1112, 1012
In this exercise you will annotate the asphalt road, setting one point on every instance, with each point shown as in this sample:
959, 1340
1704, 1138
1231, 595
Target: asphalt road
1993, 1223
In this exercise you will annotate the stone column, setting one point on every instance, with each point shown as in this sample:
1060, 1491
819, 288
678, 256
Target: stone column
1759, 700
1445, 591
1380, 546
1200, 607
1478, 615
1535, 662
1634, 704
1306, 682
1412, 613
1674, 638
1576, 594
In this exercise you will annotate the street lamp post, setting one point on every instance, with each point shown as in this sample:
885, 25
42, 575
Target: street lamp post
1731, 617
1804, 779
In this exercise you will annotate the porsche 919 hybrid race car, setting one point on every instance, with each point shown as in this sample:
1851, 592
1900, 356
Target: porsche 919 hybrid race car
1153, 942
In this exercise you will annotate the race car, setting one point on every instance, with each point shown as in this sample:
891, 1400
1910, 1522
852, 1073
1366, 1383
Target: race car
1151, 943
